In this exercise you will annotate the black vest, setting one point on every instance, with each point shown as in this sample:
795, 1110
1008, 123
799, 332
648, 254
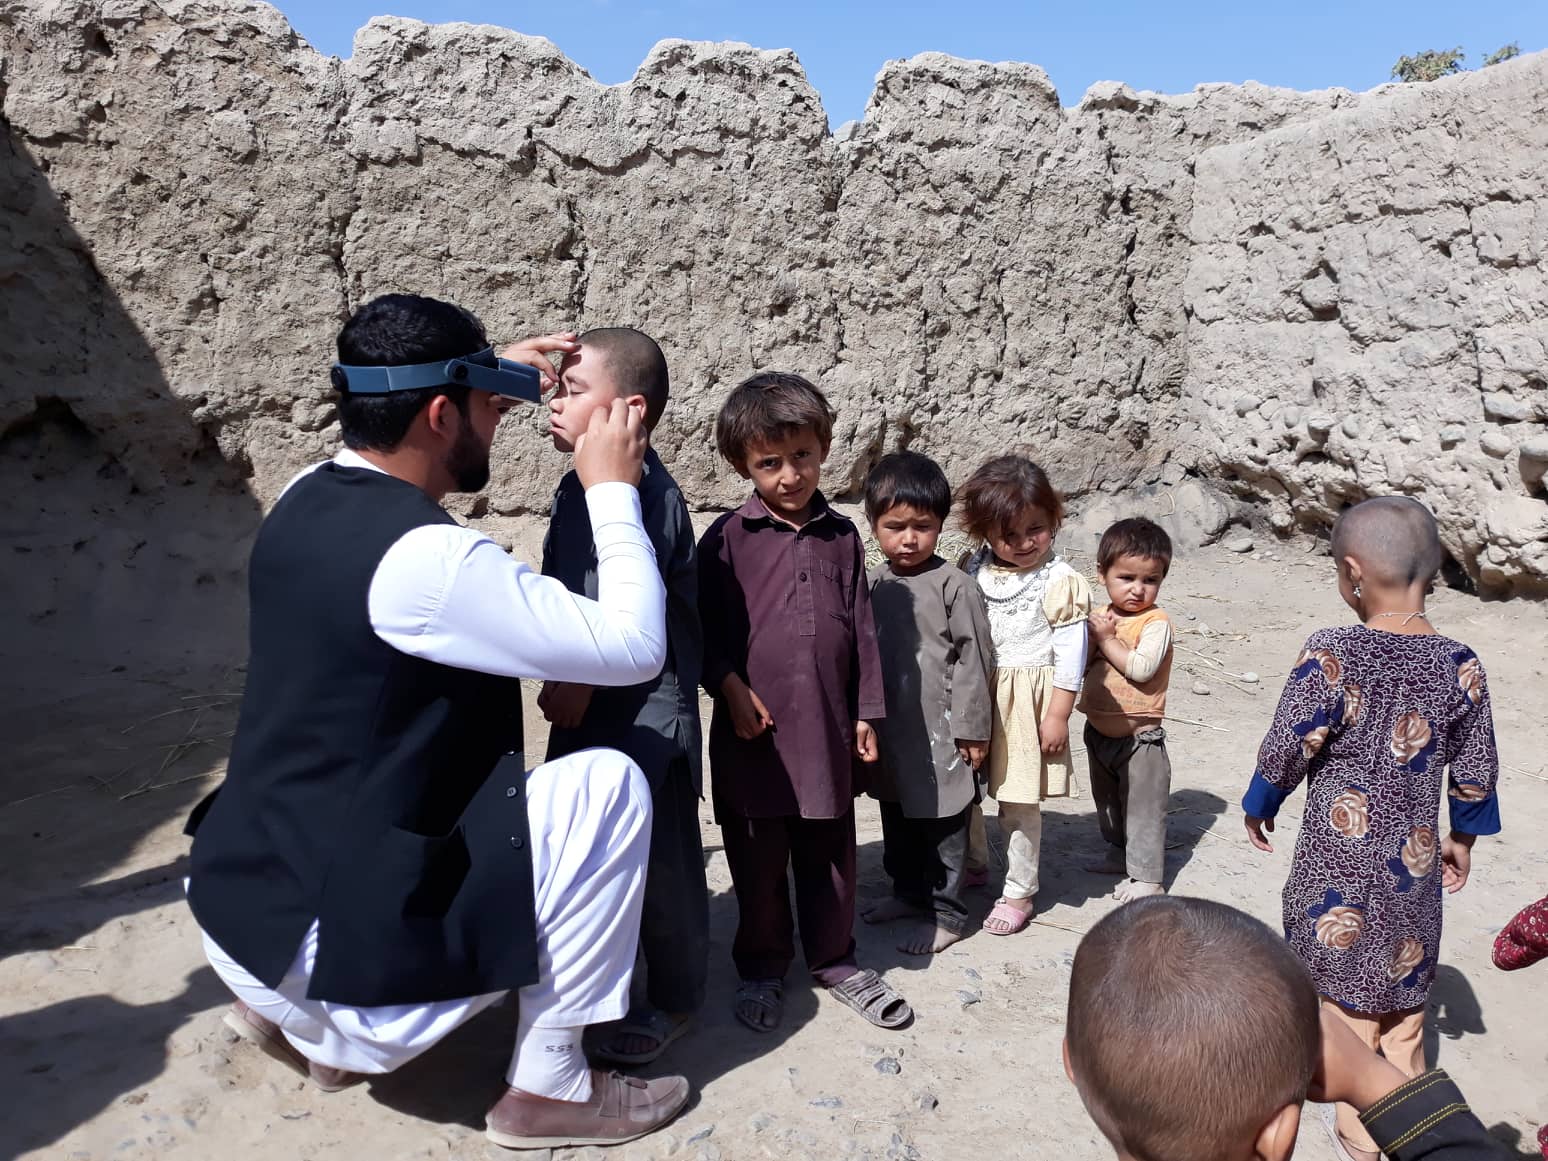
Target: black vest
377, 793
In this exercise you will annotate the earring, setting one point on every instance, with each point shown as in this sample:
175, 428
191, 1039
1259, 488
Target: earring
1357, 592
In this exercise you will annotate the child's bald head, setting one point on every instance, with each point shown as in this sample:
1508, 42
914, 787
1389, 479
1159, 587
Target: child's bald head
1191, 1026
1395, 539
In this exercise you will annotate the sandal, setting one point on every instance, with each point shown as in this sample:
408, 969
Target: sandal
647, 1024
766, 996
874, 998
1013, 917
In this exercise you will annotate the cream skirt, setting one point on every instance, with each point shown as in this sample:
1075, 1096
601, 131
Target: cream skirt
1019, 771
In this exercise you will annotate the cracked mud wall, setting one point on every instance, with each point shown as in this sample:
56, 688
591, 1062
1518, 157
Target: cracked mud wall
968, 268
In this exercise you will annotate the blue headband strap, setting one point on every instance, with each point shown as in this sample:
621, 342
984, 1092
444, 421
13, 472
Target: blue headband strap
481, 371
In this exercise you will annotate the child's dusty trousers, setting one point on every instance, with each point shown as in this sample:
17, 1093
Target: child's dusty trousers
764, 855
1131, 781
926, 859
1022, 825
1400, 1037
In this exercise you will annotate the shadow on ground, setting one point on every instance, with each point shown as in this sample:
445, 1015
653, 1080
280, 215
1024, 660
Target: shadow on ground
64, 1063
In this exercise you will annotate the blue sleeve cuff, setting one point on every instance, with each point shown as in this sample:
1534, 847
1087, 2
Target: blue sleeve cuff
1263, 800
1481, 817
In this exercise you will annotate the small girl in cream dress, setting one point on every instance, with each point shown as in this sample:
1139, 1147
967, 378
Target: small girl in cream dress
1038, 606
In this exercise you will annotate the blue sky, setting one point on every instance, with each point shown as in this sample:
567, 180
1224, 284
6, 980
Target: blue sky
1166, 47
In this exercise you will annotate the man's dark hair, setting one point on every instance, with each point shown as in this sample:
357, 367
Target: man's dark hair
770, 406
1190, 1025
635, 364
1135, 536
394, 330
907, 478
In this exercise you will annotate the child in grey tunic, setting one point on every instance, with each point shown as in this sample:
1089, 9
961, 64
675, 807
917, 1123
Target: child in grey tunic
937, 658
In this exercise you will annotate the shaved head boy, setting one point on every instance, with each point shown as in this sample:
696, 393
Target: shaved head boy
1192, 1033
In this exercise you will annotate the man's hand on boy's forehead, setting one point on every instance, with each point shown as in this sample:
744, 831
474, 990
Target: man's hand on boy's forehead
538, 352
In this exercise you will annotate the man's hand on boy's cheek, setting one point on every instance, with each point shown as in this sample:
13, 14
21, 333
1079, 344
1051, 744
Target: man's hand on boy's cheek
535, 352
865, 741
973, 753
564, 703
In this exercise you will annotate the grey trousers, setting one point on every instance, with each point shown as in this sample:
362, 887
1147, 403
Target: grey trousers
1131, 780
927, 861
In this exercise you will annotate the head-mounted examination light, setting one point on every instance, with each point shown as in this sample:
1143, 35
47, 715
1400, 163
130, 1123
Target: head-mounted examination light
481, 371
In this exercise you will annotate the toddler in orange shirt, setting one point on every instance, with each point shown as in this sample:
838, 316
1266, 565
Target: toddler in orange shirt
1124, 700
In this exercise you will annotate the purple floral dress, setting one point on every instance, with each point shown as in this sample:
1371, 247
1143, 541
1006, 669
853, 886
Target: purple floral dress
1377, 723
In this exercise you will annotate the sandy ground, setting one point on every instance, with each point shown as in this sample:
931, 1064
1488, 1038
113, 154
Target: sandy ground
111, 1044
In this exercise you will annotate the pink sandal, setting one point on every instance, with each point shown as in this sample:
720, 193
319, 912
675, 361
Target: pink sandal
1013, 917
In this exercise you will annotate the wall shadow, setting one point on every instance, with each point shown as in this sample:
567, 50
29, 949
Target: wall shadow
120, 573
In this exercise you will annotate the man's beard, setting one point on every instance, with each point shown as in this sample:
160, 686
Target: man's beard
468, 461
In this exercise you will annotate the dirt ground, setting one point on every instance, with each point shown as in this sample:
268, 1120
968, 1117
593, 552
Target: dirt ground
111, 1044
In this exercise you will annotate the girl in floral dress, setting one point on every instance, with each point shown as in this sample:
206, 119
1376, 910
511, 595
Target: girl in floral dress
1379, 719
1037, 606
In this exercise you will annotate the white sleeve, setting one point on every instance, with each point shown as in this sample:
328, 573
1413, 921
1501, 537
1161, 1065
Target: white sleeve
1069, 651
451, 595
1145, 657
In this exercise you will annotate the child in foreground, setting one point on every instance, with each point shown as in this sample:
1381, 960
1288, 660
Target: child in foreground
1124, 700
655, 723
936, 661
1379, 719
790, 659
1193, 1034
1037, 607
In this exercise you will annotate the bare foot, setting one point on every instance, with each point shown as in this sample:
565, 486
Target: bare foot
1109, 864
998, 925
1132, 889
890, 908
927, 939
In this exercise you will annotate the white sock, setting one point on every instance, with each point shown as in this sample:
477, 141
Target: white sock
549, 1062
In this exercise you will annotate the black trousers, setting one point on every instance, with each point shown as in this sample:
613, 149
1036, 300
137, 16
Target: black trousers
674, 924
927, 860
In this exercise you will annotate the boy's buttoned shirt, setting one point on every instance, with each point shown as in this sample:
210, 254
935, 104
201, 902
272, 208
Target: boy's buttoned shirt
788, 609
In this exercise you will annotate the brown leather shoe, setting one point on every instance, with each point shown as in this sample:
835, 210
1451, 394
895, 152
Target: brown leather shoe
621, 1108
265, 1035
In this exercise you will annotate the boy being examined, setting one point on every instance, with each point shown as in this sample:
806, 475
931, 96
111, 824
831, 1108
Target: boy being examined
655, 723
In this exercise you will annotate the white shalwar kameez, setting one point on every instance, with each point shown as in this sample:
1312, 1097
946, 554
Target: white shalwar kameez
449, 594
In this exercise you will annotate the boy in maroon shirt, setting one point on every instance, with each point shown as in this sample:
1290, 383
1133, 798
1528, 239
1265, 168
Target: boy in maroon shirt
790, 658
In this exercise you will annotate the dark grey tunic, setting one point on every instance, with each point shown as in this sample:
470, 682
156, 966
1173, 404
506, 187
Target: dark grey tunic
657, 722
937, 662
